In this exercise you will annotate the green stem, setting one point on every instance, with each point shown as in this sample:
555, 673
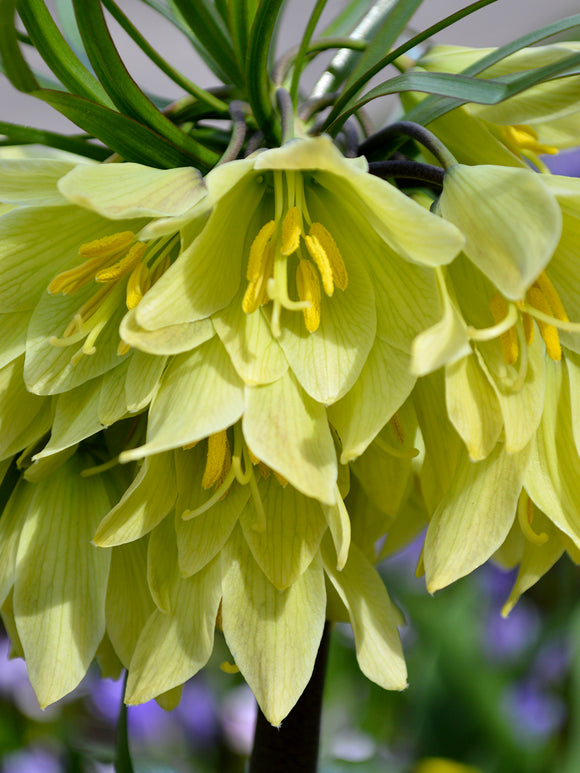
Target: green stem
293, 747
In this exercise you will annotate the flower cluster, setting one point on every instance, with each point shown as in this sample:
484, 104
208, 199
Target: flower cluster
219, 393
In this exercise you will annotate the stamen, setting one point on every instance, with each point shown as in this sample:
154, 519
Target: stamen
509, 339
258, 251
107, 246
220, 492
219, 460
489, 333
528, 327
397, 426
551, 295
309, 290
396, 451
137, 285
321, 258
326, 242
548, 332
525, 518
123, 266
525, 138
291, 231
260, 523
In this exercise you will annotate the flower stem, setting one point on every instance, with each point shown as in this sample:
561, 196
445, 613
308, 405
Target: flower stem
293, 747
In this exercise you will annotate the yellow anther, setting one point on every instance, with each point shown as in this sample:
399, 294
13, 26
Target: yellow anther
123, 348
259, 252
525, 519
551, 295
253, 458
308, 288
397, 426
108, 246
509, 340
291, 231
72, 280
229, 668
325, 241
320, 257
159, 269
137, 285
123, 266
548, 332
525, 138
219, 460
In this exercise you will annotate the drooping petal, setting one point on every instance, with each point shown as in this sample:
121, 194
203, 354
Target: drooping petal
200, 394
473, 407
474, 517
273, 635
61, 581
143, 505
288, 430
293, 530
255, 353
554, 469
511, 221
129, 603
13, 519
382, 386
202, 537
173, 339
174, 646
373, 619
33, 181
22, 417
208, 272
120, 191
143, 376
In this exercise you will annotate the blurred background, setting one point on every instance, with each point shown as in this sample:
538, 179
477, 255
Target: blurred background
486, 693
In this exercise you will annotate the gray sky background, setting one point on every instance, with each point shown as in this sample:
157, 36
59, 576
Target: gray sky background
491, 26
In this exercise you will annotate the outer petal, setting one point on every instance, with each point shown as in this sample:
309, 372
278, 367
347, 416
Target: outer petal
201, 538
61, 581
373, 619
13, 519
383, 385
207, 274
173, 339
22, 414
174, 646
129, 603
294, 527
143, 505
33, 181
288, 430
511, 221
119, 191
474, 516
554, 470
200, 394
273, 635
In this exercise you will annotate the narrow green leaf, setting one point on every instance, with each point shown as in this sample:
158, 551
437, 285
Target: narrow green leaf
304, 44
70, 29
434, 107
241, 17
187, 85
57, 54
122, 89
207, 30
27, 135
15, 67
128, 138
258, 81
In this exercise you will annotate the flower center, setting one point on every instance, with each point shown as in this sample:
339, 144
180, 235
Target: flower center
283, 238
541, 297
223, 467
123, 266
523, 138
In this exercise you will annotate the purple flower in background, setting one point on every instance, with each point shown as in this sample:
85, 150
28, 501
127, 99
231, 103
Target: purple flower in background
567, 163
507, 638
553, 661
534, 714
34, 760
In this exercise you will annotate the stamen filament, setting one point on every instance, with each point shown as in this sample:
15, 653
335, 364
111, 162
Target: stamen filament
187, 515
525, 518
489, 333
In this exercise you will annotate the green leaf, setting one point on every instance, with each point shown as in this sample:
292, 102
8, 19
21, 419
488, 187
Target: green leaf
205, 26
122, 89
123, 763
191, 88
28, 135
15, 67
433, 108
257, 75
57, 54
304, 43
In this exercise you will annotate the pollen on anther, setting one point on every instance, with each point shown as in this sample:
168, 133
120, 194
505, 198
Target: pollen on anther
509, 340
259, 251
107, 246
291, 230
218, 460
309, 290
548, 332
124, 266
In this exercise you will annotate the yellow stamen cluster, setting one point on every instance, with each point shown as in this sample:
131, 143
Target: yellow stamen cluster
273, 246
107, 261
524, 138
543, 297
219, 460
